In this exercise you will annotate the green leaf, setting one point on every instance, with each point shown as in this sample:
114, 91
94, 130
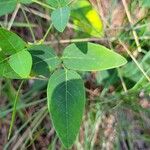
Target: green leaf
145, 3
60, 18
39, 68
46, 54
135, 75
5, 69
91, 57
66, 102
7, 72
26, 1
10, 42
15, 61
21, 63
86, 20
58, 3
7, 6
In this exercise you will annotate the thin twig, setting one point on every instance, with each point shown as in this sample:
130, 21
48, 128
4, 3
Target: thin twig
131, 23
90, 40
78, 40
135, 61
30, 28
37, 13
13, 16
44, 16
47, 32
122, 81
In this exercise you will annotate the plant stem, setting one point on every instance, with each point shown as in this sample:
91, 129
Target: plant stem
47, 32
14, 111
30, 28
135, 61
37, 13
131, 23
122, 81
13, 17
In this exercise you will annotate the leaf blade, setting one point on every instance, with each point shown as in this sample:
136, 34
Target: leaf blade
10, 42
65, 94
58, 3
7, 6
47, 54
91, 57
21, 63
60, 18
7, 72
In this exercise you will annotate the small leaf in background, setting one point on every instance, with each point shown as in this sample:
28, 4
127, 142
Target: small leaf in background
21, 63
106, 78
46, 54
66, 102
10, 42
86, 19
145, 3
60, 18
91, 57
102, 76
142, 84
58, 3
135, 75
7, 6
26, 1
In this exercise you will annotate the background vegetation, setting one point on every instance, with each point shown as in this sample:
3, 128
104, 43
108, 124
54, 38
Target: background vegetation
118, 101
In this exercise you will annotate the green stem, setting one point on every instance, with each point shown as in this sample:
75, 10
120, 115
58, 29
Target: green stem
30, 28
14, 111
46, 34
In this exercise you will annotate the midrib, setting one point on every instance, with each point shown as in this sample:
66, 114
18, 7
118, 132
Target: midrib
67, 123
